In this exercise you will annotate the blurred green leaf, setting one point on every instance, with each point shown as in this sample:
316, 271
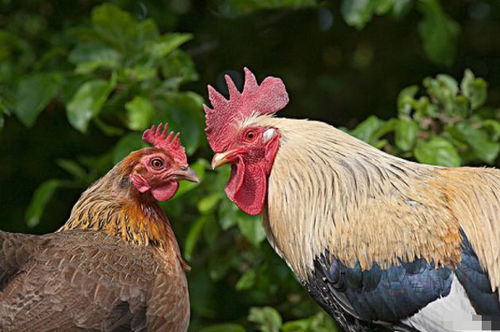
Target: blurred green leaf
251, 228
357, 12
88, 101
439, 33
178, 68
227, 214
317, 323
72, 167
449, 82
114, 26
33, 95
140, 111
366, 130
401, 8
208, 203
406, 134
233, 8
406, 99
167, 44
247, 280
41, 197
184, 114
193, 235
437, 151
474, 89
267, 319
126, 144
89, 57
484, 148
494, 125
224, 328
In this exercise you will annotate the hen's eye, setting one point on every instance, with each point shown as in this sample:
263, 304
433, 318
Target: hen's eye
156, 163
250, 135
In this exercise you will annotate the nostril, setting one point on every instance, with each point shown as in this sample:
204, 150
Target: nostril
183, 168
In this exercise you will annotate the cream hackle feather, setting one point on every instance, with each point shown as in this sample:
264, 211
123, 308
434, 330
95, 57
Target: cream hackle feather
329, 190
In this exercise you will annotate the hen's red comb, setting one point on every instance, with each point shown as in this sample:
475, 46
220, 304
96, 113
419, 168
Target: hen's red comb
169, 143
267, 98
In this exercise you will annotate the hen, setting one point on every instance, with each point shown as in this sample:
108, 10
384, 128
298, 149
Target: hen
115, 265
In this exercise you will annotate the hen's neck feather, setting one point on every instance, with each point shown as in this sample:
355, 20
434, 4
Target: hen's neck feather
112, 205
329, 190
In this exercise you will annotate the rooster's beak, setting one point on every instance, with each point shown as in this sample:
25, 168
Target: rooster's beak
187, 174
220, 159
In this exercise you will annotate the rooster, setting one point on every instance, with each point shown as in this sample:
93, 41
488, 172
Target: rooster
381, 243
115, 265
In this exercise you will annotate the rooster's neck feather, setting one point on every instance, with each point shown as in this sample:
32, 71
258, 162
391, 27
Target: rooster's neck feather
328, 190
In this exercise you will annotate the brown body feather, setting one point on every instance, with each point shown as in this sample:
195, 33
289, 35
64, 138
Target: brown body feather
328, 190
115, 265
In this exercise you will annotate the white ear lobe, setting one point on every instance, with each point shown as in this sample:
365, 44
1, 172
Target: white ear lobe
268, 134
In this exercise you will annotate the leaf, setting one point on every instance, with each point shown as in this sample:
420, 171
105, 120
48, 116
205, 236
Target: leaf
251, 228
128, 143
357, 12
180, 67
227, 214
439, 90
267, 318
72, 167
116, 27
406, 99
183, 112
437, 151
401, 8
211, 231
449, 82
89, 57
88, 101
233, 8
406, 132
41, 197
247, 280
494, 126
140, 112
366, 130
484, 148
224, 328
207, 204
167, 44
193, 236
439, 33
475, 89
317, 323
33, 95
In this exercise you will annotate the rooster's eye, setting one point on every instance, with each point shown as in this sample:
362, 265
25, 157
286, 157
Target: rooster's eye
250, 135
156, 163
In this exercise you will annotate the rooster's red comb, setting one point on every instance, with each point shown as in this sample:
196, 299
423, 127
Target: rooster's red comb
168, 143
267, 98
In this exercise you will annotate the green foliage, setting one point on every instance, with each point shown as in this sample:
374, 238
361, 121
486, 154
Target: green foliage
106, 73
447, 126
234, 8
438, 32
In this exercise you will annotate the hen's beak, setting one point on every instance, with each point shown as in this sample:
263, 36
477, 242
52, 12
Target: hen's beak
187, 174
220, 159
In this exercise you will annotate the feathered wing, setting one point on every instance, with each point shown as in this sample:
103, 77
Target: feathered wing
473, 197
90, 281
15, 250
